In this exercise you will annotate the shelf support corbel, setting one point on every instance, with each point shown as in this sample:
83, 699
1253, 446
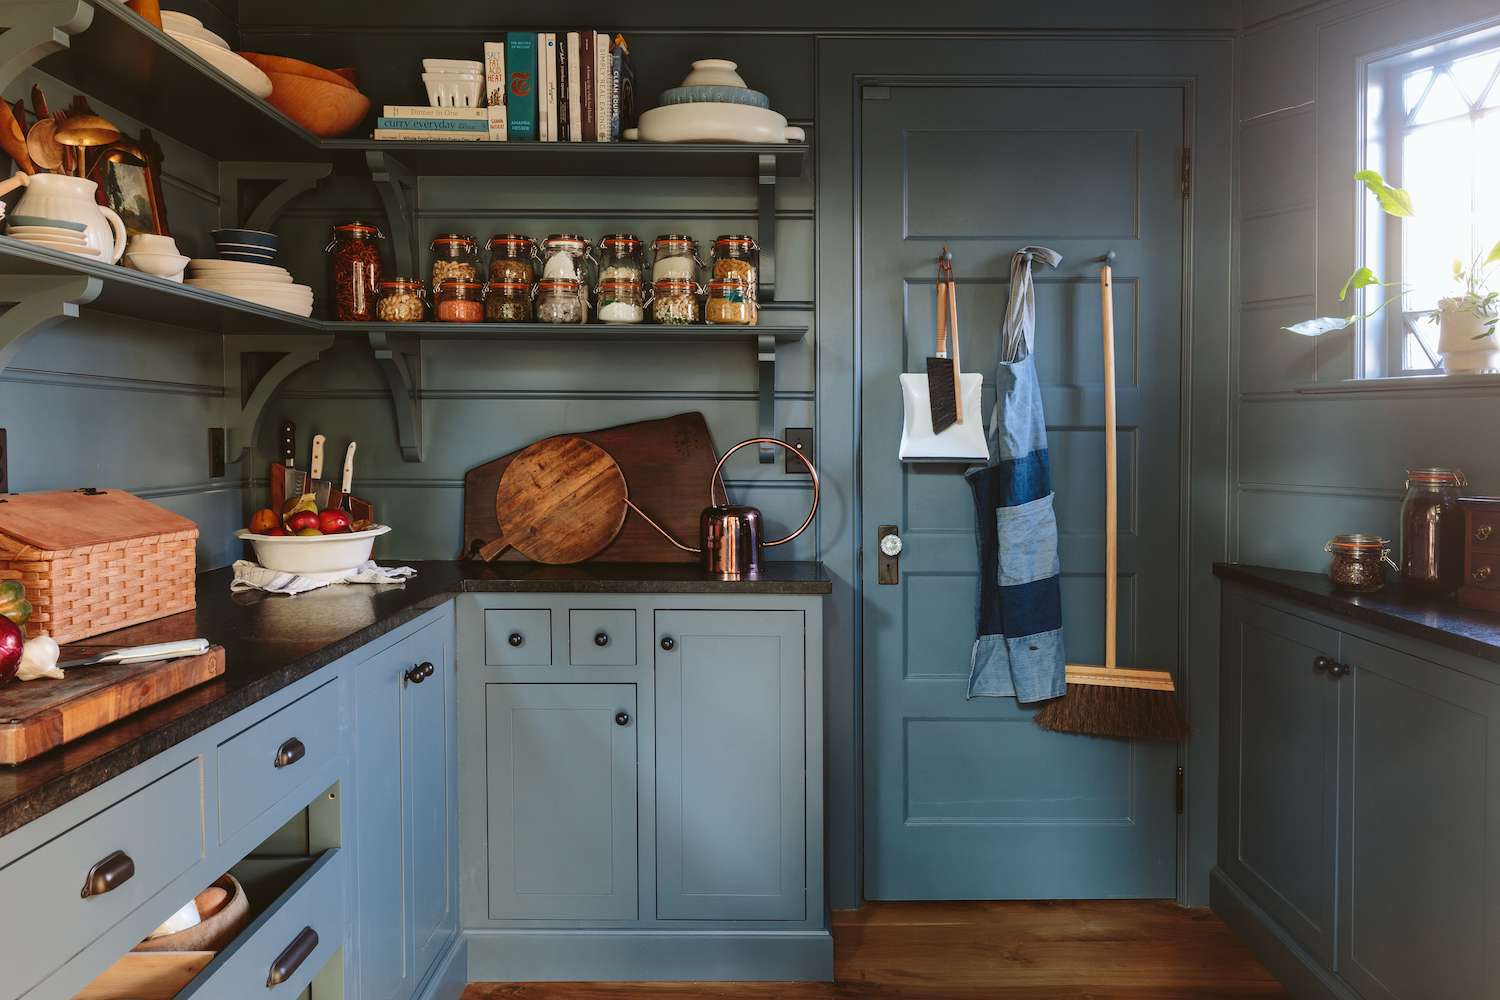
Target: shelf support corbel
397, 187
766, 224
34, 30
293, 179
245, 397
37, 303
400, 361
765, 354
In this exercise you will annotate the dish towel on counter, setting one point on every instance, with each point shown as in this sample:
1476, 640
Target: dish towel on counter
1019, 651
252, 576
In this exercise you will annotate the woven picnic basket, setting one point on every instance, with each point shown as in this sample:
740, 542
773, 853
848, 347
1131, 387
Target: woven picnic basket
94, 560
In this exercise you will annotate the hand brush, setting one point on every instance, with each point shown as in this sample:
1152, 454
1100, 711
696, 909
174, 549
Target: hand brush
942, 371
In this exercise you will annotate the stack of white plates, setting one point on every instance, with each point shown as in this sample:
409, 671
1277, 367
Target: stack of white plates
262, 284
215, 51
66, 239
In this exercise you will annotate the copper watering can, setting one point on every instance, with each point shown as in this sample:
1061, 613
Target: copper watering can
731, 537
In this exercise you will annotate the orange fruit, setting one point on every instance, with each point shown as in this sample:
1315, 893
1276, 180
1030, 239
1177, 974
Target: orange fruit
263, 520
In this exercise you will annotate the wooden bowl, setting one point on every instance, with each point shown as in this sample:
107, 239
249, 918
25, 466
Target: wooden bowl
327, 110
296, 67
215, 931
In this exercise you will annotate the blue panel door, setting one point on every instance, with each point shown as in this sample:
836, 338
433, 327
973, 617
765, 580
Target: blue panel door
968, 799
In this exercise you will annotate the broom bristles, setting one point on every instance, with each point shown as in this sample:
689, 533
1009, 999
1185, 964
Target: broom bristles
1129, 713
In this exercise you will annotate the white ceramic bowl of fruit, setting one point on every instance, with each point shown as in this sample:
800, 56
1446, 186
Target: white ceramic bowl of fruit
323, 544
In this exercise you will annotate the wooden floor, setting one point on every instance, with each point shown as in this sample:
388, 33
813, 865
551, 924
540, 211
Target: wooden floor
978, 951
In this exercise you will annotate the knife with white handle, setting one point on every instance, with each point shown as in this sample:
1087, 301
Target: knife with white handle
321, 487
348, 483
144, 654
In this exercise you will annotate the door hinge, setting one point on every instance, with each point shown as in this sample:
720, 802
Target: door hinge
1187, 172
1181, 790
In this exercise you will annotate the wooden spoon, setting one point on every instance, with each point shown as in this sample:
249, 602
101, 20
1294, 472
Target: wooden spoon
12, 141
41, 143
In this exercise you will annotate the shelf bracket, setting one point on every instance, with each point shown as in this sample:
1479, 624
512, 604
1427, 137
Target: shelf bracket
33, 31
293, 179
245, 395
765, 355
37, 303
397, 187
400, 361
766, 226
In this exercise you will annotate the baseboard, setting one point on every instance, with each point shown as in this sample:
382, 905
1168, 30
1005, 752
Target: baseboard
649, 955
450, 973
1287, 960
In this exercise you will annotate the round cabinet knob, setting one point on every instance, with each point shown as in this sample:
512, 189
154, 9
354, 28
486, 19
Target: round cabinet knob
892, 545
420, 672
622, 718
1323, 662
1483, 532
1337, 670
668, 643
601, 639
516, 639
1481, 573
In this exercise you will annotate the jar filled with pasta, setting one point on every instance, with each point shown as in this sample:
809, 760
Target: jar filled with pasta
674, 256
738, 257
512, 258
730, 303
508, 302
561, 300
402, 300
356, 271
620, 301
674, 301
454, 255
460, 301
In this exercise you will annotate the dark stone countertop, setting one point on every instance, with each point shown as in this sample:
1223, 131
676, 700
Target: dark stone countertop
1441, 622
271, 641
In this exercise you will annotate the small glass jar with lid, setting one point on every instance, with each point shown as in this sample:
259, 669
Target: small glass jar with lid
620, 300
738, 257
356, 271
512, 258
1357, 562
508, 302
561, 300
460, 301
674, 255
454, 255
402, 300
621, 258
674, 301
566, 255
1432, 530
729, 303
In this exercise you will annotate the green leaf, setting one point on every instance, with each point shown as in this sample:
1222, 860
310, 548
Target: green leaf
1393, 201
1362, 278
1493, 257
1321, 325
1458, 269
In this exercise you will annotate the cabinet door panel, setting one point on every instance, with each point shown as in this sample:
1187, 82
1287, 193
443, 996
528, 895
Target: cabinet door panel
1280, 744
1420, 777
730, 787
384, 962
430, 808
562, 801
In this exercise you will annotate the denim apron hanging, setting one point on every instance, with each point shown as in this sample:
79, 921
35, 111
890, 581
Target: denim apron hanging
1019, 651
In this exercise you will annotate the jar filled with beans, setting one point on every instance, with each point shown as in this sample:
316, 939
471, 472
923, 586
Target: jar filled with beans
402, 300
460, 301
739, 257
674, 256
454, 255
729, 302
512, 258
356, 271
621, 301
621, 258
1357, 561
508, 302
561, 300
674, 301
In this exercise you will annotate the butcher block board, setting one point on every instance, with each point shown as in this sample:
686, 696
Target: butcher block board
36, 716
667, 465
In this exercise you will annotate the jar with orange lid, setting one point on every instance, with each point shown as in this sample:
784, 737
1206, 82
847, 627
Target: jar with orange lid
512, 258
674, 301
356, 271
508, 302
454, 255
738, 257
621, 258
460, 301
402, 300
729, 303
675, 256
561, 300
1357, 561
1432, 530
620, 300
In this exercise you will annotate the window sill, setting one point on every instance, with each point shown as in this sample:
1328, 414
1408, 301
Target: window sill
1405, 383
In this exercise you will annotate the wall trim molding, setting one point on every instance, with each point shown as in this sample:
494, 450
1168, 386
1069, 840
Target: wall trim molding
112, 383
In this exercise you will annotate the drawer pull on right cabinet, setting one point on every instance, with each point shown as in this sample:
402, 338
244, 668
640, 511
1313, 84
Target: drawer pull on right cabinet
1483, 532
1481, 573
1335, 669
290, 752
622, 718
291, 959
108, 875
668, 643
516, 639
601, 639
420, 672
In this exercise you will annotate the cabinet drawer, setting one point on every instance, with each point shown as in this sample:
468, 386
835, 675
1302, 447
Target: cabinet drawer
518, 638
151, 836
602, 637
273, 757
281, 950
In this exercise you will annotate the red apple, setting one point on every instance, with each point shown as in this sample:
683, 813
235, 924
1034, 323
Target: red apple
333, 522
12, 644
301, 519
278, 532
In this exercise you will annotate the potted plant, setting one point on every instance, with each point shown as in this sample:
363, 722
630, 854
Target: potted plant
1467, 338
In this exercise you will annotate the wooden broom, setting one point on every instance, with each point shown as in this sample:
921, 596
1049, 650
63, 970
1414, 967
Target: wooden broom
1112, 700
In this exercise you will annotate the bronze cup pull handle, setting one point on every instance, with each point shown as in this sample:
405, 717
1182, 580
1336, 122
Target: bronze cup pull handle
292, 957
290, 752
108, 875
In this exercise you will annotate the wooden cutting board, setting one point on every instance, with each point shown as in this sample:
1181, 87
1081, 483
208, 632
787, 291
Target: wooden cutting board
561, 501
36, 716
667, 464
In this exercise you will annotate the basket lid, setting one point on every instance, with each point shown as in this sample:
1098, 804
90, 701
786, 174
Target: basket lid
73, 519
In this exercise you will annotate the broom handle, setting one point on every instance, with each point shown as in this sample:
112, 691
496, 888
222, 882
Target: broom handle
1111, 500
958, 389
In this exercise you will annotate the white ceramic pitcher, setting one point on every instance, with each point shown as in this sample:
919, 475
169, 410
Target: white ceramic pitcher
58, 196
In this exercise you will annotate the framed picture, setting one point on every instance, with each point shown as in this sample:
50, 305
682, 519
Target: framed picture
129, 177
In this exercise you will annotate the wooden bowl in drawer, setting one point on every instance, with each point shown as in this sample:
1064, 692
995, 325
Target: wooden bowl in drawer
211, 934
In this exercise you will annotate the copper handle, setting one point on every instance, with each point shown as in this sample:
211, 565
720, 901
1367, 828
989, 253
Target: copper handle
1483, 532
811, 471
290, 752
108, 875
1481, 574
292, 957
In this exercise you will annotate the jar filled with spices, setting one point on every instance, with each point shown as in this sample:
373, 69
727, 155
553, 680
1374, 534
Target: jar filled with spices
1432, 530
621, 258
739, 257
674, 256
512, 258
402, 300
460, 301
560, 300
674, 301
1357, 562
729, 302
620, 301
454, 255
356, 271
508, 302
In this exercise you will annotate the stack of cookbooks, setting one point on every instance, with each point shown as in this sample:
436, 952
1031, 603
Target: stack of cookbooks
568, 86
437, 124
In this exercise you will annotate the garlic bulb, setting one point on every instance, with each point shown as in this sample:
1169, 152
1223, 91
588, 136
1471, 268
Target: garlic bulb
39, 659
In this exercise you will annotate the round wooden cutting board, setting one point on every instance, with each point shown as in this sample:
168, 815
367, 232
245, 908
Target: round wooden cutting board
561, 501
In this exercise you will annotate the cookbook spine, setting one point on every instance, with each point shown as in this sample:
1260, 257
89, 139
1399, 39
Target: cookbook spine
601, 87
563, 122
575, 88
520, 102
430, 135
446, 114
546, 87
437, 124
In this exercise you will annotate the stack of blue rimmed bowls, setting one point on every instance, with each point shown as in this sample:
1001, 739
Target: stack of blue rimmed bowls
249, 246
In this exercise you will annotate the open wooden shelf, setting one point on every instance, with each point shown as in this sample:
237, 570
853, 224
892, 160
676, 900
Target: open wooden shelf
571, 159
631, 333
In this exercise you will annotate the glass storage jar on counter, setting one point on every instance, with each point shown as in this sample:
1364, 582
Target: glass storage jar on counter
1432, 530
729, 303
621, 258
674, 301
402, 300
508, 302
620, 300
1357, 561
738, 257
460, 301
356, 271
454, 255
674, 256
512, 258
561, 300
